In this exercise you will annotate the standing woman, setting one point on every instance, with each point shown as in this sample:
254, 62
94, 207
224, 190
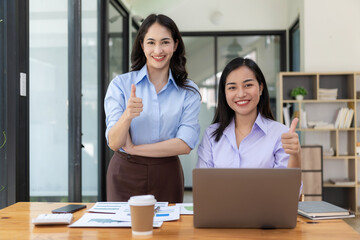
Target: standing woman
244, 133
151, 116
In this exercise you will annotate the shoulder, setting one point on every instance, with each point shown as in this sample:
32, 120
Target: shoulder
192, 91
211, 129
275, 127
124, 78
191, 84
124, 81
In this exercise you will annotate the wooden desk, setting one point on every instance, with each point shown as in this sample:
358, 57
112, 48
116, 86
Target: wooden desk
15, 223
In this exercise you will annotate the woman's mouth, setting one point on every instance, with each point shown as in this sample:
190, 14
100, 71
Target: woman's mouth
158, 58
242, 102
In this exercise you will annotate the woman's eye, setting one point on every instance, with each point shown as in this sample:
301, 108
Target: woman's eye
166, 42
150, 43
248, 85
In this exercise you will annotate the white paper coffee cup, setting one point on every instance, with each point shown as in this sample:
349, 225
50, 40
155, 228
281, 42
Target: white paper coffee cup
142, 214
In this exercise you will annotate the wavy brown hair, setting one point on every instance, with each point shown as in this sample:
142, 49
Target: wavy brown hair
177, 61
224, 114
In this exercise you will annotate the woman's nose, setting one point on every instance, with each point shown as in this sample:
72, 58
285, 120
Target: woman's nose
241, 92
157, 49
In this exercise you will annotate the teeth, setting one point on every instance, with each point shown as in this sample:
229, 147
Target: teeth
242, 102
158, 57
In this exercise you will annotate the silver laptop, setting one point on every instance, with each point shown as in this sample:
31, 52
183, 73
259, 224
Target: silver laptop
246, 197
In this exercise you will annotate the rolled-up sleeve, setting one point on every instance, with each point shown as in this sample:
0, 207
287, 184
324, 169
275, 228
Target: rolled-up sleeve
189, 128
114, 106
281, 157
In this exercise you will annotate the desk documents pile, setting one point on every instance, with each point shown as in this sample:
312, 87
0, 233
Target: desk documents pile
117, 214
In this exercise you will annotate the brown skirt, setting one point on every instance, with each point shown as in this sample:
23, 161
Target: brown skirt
130, 175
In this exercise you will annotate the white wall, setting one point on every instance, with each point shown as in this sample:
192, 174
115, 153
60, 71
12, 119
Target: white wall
233, 15
331, 35
329, 29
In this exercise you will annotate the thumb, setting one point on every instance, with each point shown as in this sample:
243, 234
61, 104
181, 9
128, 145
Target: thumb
133, 91
293, 125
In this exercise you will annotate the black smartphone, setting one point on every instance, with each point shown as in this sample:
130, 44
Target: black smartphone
69, 208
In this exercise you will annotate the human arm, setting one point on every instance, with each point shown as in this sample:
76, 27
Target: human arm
185, 128
205, 158
119, 131
291, 145
171, 147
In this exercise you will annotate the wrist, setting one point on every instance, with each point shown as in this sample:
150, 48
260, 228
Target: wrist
126, 117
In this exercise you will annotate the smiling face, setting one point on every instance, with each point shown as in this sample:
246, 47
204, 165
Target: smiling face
158, 46
243, 92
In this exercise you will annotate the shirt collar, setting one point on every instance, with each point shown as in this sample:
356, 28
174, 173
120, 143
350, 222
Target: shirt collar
230, 129
143, 72
260, 122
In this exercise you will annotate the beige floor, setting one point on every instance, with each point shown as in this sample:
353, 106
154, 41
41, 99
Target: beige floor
353, 222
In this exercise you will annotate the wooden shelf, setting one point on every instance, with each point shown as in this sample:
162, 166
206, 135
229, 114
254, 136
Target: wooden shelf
321, 101
341, 140
339, 157
328, 184
325, 129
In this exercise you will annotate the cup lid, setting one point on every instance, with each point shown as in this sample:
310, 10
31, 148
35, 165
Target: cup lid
142, 200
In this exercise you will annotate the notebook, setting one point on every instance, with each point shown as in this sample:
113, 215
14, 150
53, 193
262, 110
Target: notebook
317, 210
246, 198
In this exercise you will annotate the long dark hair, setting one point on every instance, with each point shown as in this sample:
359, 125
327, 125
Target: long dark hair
224, 114
177, 61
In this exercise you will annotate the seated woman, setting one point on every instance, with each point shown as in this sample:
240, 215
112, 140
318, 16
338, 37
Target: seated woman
244, 133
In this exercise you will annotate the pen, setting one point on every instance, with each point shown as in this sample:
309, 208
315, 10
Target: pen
157, 209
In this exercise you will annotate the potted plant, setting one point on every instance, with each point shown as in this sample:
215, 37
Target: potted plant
298, 93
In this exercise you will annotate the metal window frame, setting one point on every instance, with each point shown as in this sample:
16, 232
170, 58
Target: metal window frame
16, 61
103, 62
104, 153
74, 97
280, 33
292, 29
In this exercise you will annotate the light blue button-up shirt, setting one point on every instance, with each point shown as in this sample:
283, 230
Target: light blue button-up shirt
262, 148
171, 113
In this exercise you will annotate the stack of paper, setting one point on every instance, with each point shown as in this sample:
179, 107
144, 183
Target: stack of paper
186, 208
105, 214
163, 214
328, 94
117, 214
344, 118
317, 210
320, 125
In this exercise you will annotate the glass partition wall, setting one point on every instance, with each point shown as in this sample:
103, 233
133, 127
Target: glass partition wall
90, 138
200, 66
115, 43
48, 100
